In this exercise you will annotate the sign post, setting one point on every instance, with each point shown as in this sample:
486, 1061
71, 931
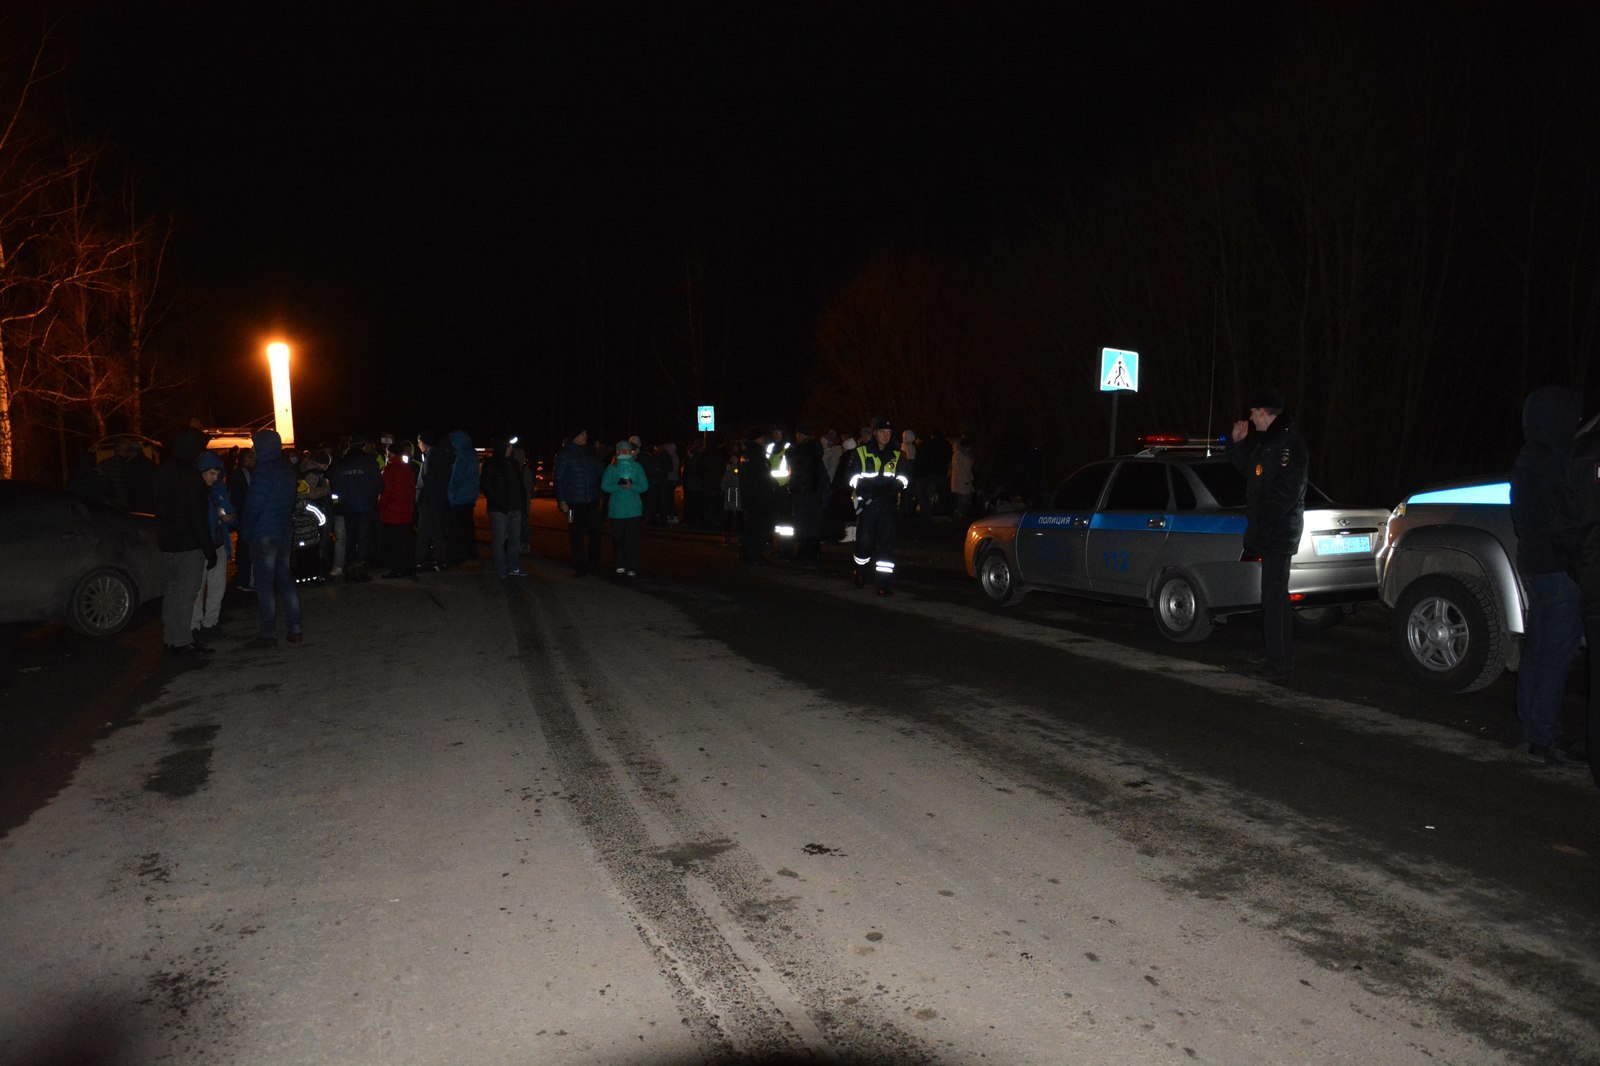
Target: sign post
1119, 373
705, 420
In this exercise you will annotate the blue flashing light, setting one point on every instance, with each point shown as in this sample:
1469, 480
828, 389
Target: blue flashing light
1493, 493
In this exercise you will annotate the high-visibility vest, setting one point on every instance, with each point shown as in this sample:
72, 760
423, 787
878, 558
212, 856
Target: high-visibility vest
778, 460
873, 468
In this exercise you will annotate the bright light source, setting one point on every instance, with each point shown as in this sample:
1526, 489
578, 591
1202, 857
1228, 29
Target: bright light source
283, 415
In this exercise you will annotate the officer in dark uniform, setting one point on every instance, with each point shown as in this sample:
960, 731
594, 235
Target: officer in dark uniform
1274, 462
873, 472
756, 492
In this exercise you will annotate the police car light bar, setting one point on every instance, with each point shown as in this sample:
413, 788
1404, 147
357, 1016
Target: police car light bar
1174, 440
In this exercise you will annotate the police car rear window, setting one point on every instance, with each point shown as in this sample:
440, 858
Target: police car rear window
1222, 481
1226, 485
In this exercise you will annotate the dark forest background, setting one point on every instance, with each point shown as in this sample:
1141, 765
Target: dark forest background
820, 215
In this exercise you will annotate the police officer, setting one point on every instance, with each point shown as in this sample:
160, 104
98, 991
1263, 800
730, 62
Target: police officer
1274, 463
873, 472
756, 492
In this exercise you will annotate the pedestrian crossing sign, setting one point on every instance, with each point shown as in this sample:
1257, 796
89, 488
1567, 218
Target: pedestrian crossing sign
1119, 370
705, 417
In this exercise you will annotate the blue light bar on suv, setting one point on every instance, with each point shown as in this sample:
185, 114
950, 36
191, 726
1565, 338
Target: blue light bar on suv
1492, 492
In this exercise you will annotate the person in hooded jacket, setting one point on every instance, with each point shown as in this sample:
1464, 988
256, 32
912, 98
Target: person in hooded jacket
1554, 620
358, 484
578, 474
505, 497
183, 532
268, 524
626, 483
462, 495
1275, 465
221, 518
1579, 545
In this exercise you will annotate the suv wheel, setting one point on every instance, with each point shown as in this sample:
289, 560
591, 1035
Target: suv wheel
997, 580
1182, 614
1448, 633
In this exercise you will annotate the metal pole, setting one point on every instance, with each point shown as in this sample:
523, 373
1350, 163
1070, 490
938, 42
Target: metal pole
1114, 397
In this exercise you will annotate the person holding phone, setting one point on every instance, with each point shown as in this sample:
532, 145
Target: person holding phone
626, 482
1271, 454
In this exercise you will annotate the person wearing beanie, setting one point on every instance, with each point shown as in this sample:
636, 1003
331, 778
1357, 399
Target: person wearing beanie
578, 475
1272, 456
183, 532
876, 478
206, 620
268, 524
626, 482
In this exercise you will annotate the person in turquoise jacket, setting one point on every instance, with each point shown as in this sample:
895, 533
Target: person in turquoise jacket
626, 483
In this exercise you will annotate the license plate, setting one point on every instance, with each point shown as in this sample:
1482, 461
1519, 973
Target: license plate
1358, 544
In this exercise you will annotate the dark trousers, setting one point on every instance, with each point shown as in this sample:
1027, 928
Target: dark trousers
242, 567
400, 548
463, 537
432, 545
874, 549
626, 536
358, 528
757, 532
807, 508
1277, 619
583, 525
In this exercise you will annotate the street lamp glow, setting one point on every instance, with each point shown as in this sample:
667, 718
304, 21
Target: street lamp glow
283, 415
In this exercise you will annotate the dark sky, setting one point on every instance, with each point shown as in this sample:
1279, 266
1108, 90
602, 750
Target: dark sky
389, 186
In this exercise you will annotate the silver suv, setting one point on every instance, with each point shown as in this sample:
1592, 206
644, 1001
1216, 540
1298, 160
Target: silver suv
1448, 568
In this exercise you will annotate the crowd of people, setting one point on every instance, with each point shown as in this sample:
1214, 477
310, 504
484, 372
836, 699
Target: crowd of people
284, 516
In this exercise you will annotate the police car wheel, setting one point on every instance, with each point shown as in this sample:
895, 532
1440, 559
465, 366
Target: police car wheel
1182, 614
997, 580
101, 604
1448, 634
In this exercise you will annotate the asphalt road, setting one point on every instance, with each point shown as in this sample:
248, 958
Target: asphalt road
723, 811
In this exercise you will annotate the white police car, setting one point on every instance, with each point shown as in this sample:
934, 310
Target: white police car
1165, 529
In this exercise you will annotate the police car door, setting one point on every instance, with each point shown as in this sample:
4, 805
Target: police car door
1129, 531
1051, 541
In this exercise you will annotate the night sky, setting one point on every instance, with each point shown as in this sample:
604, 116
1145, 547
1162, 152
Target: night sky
389, 186
528, 216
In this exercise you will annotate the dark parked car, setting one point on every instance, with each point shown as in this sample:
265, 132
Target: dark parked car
67, 558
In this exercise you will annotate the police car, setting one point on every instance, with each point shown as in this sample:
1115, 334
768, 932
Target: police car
1165, 529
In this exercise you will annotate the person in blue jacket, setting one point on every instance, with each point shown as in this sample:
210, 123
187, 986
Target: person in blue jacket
578, 497
462, 495
268, 524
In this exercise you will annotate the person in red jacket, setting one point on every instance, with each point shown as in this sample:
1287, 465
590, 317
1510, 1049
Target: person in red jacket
397, 510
